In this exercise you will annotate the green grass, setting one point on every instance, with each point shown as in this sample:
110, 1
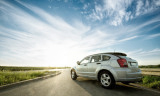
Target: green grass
7, 77
150, 66
151, 81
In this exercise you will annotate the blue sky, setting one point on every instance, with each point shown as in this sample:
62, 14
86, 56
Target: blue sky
61, 32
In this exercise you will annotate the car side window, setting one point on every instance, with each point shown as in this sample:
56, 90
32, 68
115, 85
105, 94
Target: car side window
105, 58
85, 60
96, 58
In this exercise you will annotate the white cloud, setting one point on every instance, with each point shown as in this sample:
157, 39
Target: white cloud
149, 57
46, 40
128, 16
97, 14
146, 6
126, 39
134, 52
139, 7
85, 6
157, 2
141, 52
39, 41
153, 36
152, 21
115, 12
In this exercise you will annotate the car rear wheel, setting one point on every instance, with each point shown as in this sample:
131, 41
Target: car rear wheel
73, 75
107, 80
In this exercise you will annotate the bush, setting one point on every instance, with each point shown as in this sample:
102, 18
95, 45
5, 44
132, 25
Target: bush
155, 85
151, 81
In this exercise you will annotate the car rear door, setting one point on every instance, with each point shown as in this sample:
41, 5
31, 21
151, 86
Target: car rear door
96, 62
93, 65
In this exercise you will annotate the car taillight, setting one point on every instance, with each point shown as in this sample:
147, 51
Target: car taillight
122, 62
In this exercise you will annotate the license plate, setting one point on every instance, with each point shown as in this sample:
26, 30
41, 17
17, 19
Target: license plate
133, 64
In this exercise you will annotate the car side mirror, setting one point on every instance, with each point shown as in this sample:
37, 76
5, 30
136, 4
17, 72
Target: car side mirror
78, 62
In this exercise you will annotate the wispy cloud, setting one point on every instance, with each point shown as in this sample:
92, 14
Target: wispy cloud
142, 29
34, 39
40, 41
153, 36
146, 57
126, 39
115, 12
37, 37
146, 6
141, 52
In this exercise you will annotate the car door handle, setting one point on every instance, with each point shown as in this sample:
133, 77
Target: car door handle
85, 64
98, 63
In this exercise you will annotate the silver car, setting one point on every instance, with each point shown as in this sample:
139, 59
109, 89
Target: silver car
108, 68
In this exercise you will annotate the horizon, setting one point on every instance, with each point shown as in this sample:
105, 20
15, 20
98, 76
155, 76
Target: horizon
61, 66
59, 33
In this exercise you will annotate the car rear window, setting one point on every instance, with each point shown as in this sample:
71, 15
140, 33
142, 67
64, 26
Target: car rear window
105, 58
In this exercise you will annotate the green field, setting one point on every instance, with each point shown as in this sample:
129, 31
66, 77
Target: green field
149, 66
7, 77
12, 74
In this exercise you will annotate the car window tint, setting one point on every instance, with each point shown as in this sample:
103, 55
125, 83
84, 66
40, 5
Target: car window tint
85, 60
96, 58
105, 58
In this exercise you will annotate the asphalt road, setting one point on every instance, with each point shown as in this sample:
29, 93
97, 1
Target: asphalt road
63, 85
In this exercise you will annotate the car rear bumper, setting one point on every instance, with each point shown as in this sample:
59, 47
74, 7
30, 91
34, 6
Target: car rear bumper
125, 74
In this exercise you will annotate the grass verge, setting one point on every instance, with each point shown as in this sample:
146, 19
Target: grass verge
151, 81
8, 77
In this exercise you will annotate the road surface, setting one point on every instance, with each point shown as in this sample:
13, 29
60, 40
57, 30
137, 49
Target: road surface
63, 85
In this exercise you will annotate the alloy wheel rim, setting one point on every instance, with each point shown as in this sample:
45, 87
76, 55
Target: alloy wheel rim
105, 79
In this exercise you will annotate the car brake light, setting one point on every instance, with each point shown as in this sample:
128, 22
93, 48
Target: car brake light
122, 62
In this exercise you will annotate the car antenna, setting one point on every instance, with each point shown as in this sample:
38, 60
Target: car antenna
114, 50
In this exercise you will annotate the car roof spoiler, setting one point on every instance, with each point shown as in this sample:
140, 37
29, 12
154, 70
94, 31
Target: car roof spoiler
116, 53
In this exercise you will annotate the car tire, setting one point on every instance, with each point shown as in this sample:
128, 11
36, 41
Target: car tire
73, 75
106, 79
